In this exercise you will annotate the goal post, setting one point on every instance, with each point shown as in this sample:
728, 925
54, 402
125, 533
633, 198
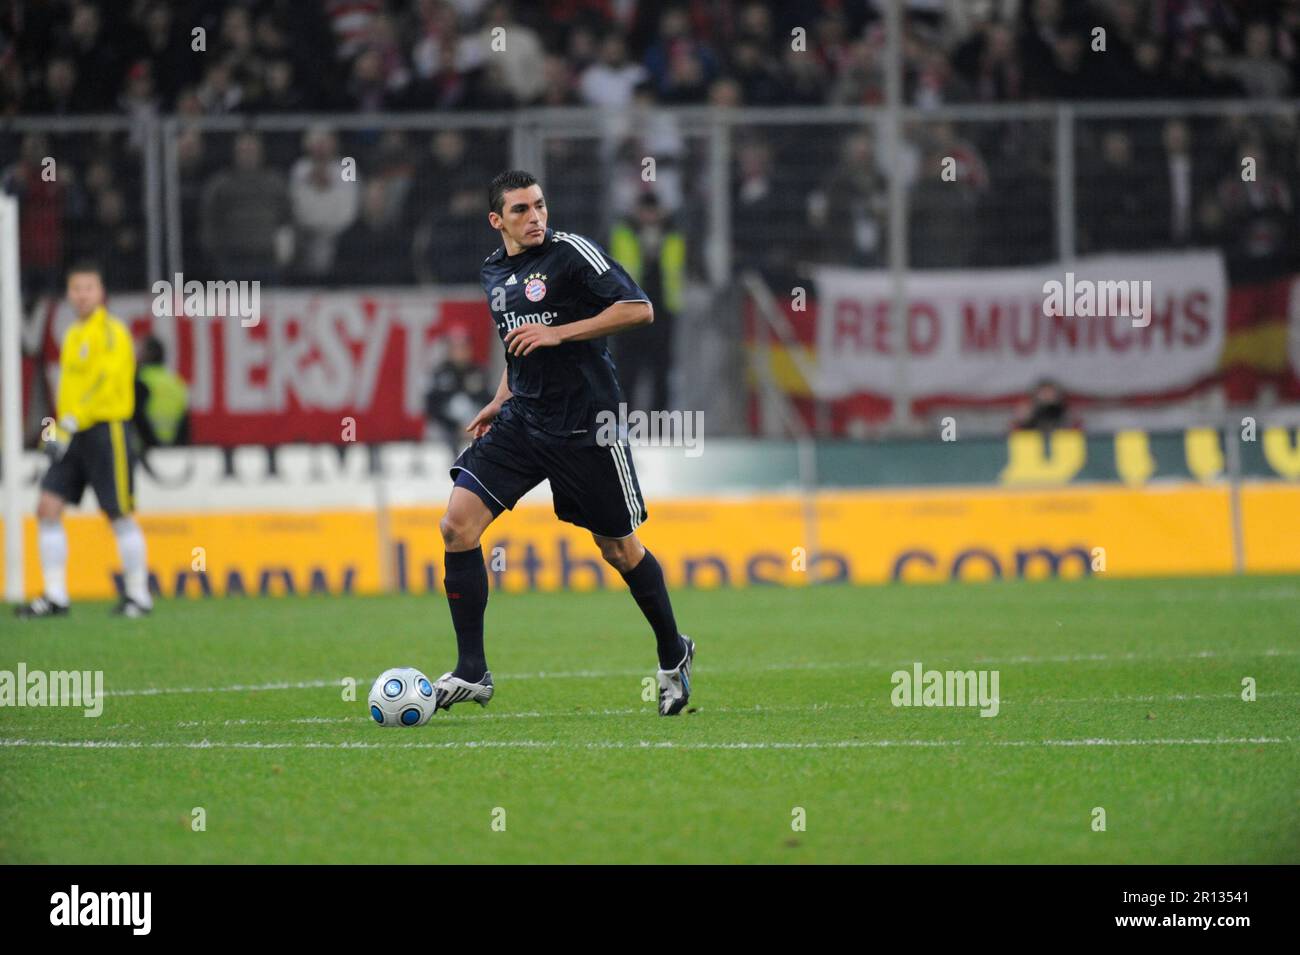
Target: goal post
11, 398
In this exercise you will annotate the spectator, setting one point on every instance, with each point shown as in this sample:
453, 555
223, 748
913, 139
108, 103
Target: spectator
582, 49
450, 234
1179, 181
515, 72
1256, 229
645, 132
43, 201
244, 211
688, 81
761, 82
654, 253
458, 388
395, 170
760, 199
860, 80
374, 250
1257, 71
990, 65
219, 93
1258, 218
558, 87
849, 210
1045, 409
611, 81
165, 48
350, 22
59, 96
191, 159
162, 417
1116, 210
726, 93
116, 240
754, 24
99, 70
367, 92
280, 91
1150, 79
324, 201
680, 66
806, 82
1213, 75
235, 44
945, 227
139, 101
446, 63
1042, 28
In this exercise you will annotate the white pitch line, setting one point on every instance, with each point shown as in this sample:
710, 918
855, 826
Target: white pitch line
771, 668
650, 711
639, 745
233, 688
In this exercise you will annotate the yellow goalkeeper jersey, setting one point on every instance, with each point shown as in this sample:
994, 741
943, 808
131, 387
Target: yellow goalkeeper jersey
97, 371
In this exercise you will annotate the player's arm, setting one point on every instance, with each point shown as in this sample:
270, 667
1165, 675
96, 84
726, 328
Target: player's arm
483, 420
617, 318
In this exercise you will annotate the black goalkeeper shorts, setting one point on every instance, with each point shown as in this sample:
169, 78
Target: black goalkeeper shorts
592, 486
100, 456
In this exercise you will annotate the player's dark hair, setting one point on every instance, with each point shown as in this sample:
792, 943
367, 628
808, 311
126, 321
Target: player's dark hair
154, 353
503, 183
85, 267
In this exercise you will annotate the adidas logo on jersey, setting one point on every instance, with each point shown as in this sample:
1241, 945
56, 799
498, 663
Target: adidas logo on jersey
511, 281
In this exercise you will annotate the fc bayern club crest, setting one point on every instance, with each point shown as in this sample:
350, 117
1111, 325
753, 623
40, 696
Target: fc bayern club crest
535, 290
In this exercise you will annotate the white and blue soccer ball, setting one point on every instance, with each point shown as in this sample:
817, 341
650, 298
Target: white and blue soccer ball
402, 696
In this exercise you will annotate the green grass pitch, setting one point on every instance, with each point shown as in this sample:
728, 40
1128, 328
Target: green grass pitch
1123, 695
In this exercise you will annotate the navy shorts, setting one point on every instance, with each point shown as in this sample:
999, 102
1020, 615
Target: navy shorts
102, 457
592, 486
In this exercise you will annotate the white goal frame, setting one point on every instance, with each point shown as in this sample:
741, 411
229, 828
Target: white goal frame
11, 398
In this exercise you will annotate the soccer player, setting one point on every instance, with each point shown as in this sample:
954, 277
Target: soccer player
554, 297
91, 445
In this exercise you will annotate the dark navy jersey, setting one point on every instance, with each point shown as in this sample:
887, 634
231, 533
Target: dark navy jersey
559, 390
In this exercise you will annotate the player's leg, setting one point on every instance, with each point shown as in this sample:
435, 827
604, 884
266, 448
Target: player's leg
597, 488
112, 467
490, 476
645, 579
64, 482
465, 579
52, 543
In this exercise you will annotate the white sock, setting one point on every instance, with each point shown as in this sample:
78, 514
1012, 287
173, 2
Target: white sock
53, 545
130, 547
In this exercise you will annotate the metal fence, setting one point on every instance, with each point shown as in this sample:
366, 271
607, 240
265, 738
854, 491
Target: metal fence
755, 191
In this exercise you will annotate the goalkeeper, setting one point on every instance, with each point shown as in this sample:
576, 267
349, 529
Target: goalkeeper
89, 444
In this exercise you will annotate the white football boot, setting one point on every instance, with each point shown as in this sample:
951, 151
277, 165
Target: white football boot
450, 690
675, 684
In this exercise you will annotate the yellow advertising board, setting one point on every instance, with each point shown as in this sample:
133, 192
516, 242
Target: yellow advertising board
873, 536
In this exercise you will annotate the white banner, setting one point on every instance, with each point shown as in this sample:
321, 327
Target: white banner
1108, 326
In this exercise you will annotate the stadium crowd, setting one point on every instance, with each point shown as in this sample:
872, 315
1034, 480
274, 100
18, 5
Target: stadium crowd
65, 58
268, 205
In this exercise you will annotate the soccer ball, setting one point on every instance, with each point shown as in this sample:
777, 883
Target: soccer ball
402, 696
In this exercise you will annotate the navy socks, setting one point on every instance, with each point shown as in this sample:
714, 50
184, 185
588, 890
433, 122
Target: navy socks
466, 583
646, 581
